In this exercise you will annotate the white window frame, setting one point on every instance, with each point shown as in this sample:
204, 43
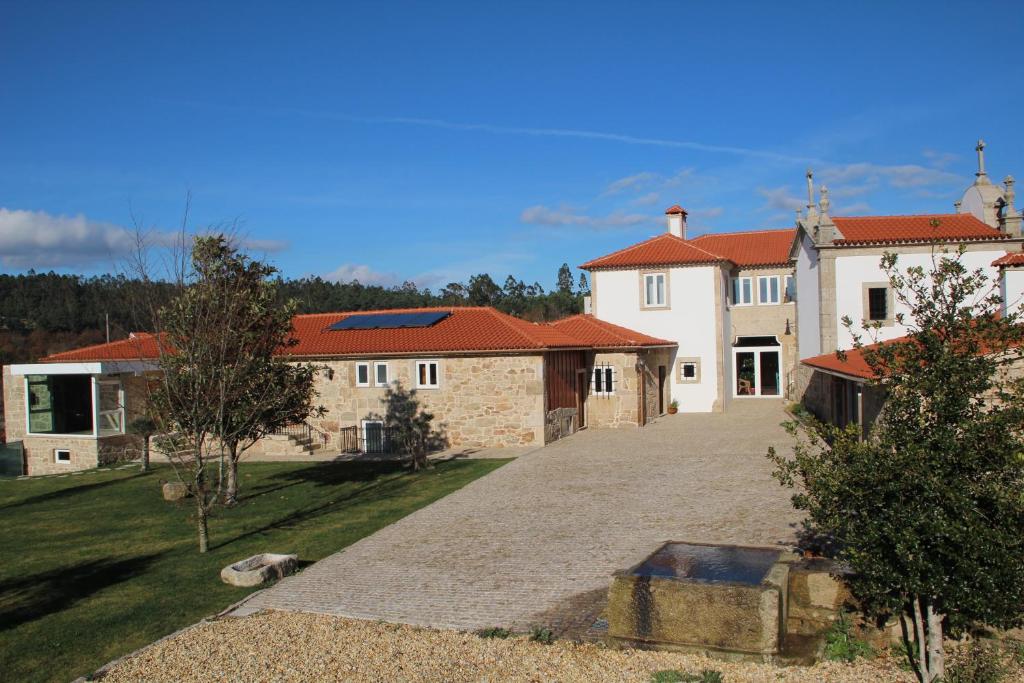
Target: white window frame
369, 378
654, 277
789, 285
97, 414
56, 456
768, 279
437, 372
737, 288
376, 375
118, 412
598, 375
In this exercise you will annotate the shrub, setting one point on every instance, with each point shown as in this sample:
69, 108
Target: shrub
976, 662
542, 635
494, 632
841, 644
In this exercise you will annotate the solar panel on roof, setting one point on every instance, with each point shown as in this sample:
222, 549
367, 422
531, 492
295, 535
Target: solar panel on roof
385, 321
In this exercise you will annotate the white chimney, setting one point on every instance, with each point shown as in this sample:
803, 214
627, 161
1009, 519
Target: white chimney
676, 221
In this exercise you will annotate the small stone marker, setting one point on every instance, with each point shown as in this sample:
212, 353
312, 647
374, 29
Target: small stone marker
175, 490
259, 569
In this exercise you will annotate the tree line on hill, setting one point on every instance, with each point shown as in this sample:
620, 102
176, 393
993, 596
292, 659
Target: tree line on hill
43, 313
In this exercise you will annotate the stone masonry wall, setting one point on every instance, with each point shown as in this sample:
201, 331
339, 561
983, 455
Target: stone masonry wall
622, 407
482, 401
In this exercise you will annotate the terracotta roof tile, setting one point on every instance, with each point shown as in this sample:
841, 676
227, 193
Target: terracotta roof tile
754, 248
466, 330
1014, 259
663, 250
853, 366
599, 333
675, 208
926, 228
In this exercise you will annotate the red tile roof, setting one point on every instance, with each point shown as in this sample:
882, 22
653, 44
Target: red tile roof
853, 366
675, 208
754, 248
141, 345
663, 250
1014, 259
950, 227
466, 330
598, 333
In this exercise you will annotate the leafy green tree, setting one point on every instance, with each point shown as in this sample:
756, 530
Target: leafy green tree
928, 510
408, 427
584, 286
483, 291
565, 279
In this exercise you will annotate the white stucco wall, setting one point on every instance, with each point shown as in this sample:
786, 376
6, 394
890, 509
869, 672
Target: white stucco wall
689, 321
1011, 288
808, 329
852, 271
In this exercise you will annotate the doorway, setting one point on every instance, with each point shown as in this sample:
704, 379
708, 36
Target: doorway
661, 389
757, 363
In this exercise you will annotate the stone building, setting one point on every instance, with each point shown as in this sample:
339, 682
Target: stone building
489, 379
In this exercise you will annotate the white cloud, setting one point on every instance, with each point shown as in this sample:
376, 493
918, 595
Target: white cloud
36, 239
710, 212
268, 246
348, 272
939, 159
779, 198
635, 182
646, 199
566, 216
851, 209
900, 176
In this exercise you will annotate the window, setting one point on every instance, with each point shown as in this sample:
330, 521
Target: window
689, 370
380, 374
767, 290
362, 374
111, 408
742, 291
604, 381
655, 295
60, 404
790, 289
878, 303
427, 374
61, 455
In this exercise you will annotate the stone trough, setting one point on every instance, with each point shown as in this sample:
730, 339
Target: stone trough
259, 569
698, 597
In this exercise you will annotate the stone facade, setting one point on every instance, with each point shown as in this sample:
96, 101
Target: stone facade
492, 401
622, 408
86, 452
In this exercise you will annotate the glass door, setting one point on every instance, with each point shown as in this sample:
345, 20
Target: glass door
758, 372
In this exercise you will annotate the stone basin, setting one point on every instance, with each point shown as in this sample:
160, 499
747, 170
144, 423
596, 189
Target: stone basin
701, 597
259, 569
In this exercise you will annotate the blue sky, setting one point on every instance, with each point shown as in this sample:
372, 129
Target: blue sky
432, 141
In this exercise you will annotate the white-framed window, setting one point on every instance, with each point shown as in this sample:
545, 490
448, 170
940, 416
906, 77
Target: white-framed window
362, 374
428, 374
689, 370
380, 374
655, 290
768, 289
790, 289
602, 380
73, 405
61, 455
742, 291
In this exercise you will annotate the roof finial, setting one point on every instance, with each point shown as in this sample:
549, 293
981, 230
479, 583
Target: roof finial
1010, 194
980, 149
957, 204
810, 189
825, 203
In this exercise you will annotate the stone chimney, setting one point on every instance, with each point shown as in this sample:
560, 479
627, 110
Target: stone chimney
676, 220
1009, 217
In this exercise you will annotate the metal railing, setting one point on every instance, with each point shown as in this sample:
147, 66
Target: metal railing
303, 431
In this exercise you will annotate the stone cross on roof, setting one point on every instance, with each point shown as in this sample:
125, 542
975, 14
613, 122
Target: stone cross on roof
980, 149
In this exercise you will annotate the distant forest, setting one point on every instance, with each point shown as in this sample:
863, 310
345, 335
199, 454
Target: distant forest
44, 313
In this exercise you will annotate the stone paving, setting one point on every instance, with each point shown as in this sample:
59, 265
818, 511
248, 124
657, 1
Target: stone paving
536, 541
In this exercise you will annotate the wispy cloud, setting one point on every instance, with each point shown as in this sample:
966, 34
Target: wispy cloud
779, 198
635, 182
364, 274
900, 176
646, 199
565, 216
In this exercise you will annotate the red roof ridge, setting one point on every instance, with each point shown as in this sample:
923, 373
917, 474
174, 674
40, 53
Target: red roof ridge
663, 236
507, 321
741, 232
910, 215
625, 334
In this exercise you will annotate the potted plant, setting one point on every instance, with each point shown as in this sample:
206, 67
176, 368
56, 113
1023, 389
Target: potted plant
673, 407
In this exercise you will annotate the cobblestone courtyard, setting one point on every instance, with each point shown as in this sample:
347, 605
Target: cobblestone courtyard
536, 542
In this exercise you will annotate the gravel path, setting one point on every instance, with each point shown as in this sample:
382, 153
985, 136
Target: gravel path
536, 541
280, 646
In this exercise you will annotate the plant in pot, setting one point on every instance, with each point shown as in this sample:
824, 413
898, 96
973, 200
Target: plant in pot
673, 407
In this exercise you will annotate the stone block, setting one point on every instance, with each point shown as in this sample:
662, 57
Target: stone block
175, 490
259, 569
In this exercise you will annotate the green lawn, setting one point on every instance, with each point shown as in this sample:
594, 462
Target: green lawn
96, 565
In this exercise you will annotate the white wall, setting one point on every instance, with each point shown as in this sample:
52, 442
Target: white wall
689, 321
1011, 288
854, 270
808, 321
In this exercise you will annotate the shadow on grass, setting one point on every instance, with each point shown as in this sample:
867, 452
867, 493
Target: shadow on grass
325, 474
378, 488
31, 597
70, 491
